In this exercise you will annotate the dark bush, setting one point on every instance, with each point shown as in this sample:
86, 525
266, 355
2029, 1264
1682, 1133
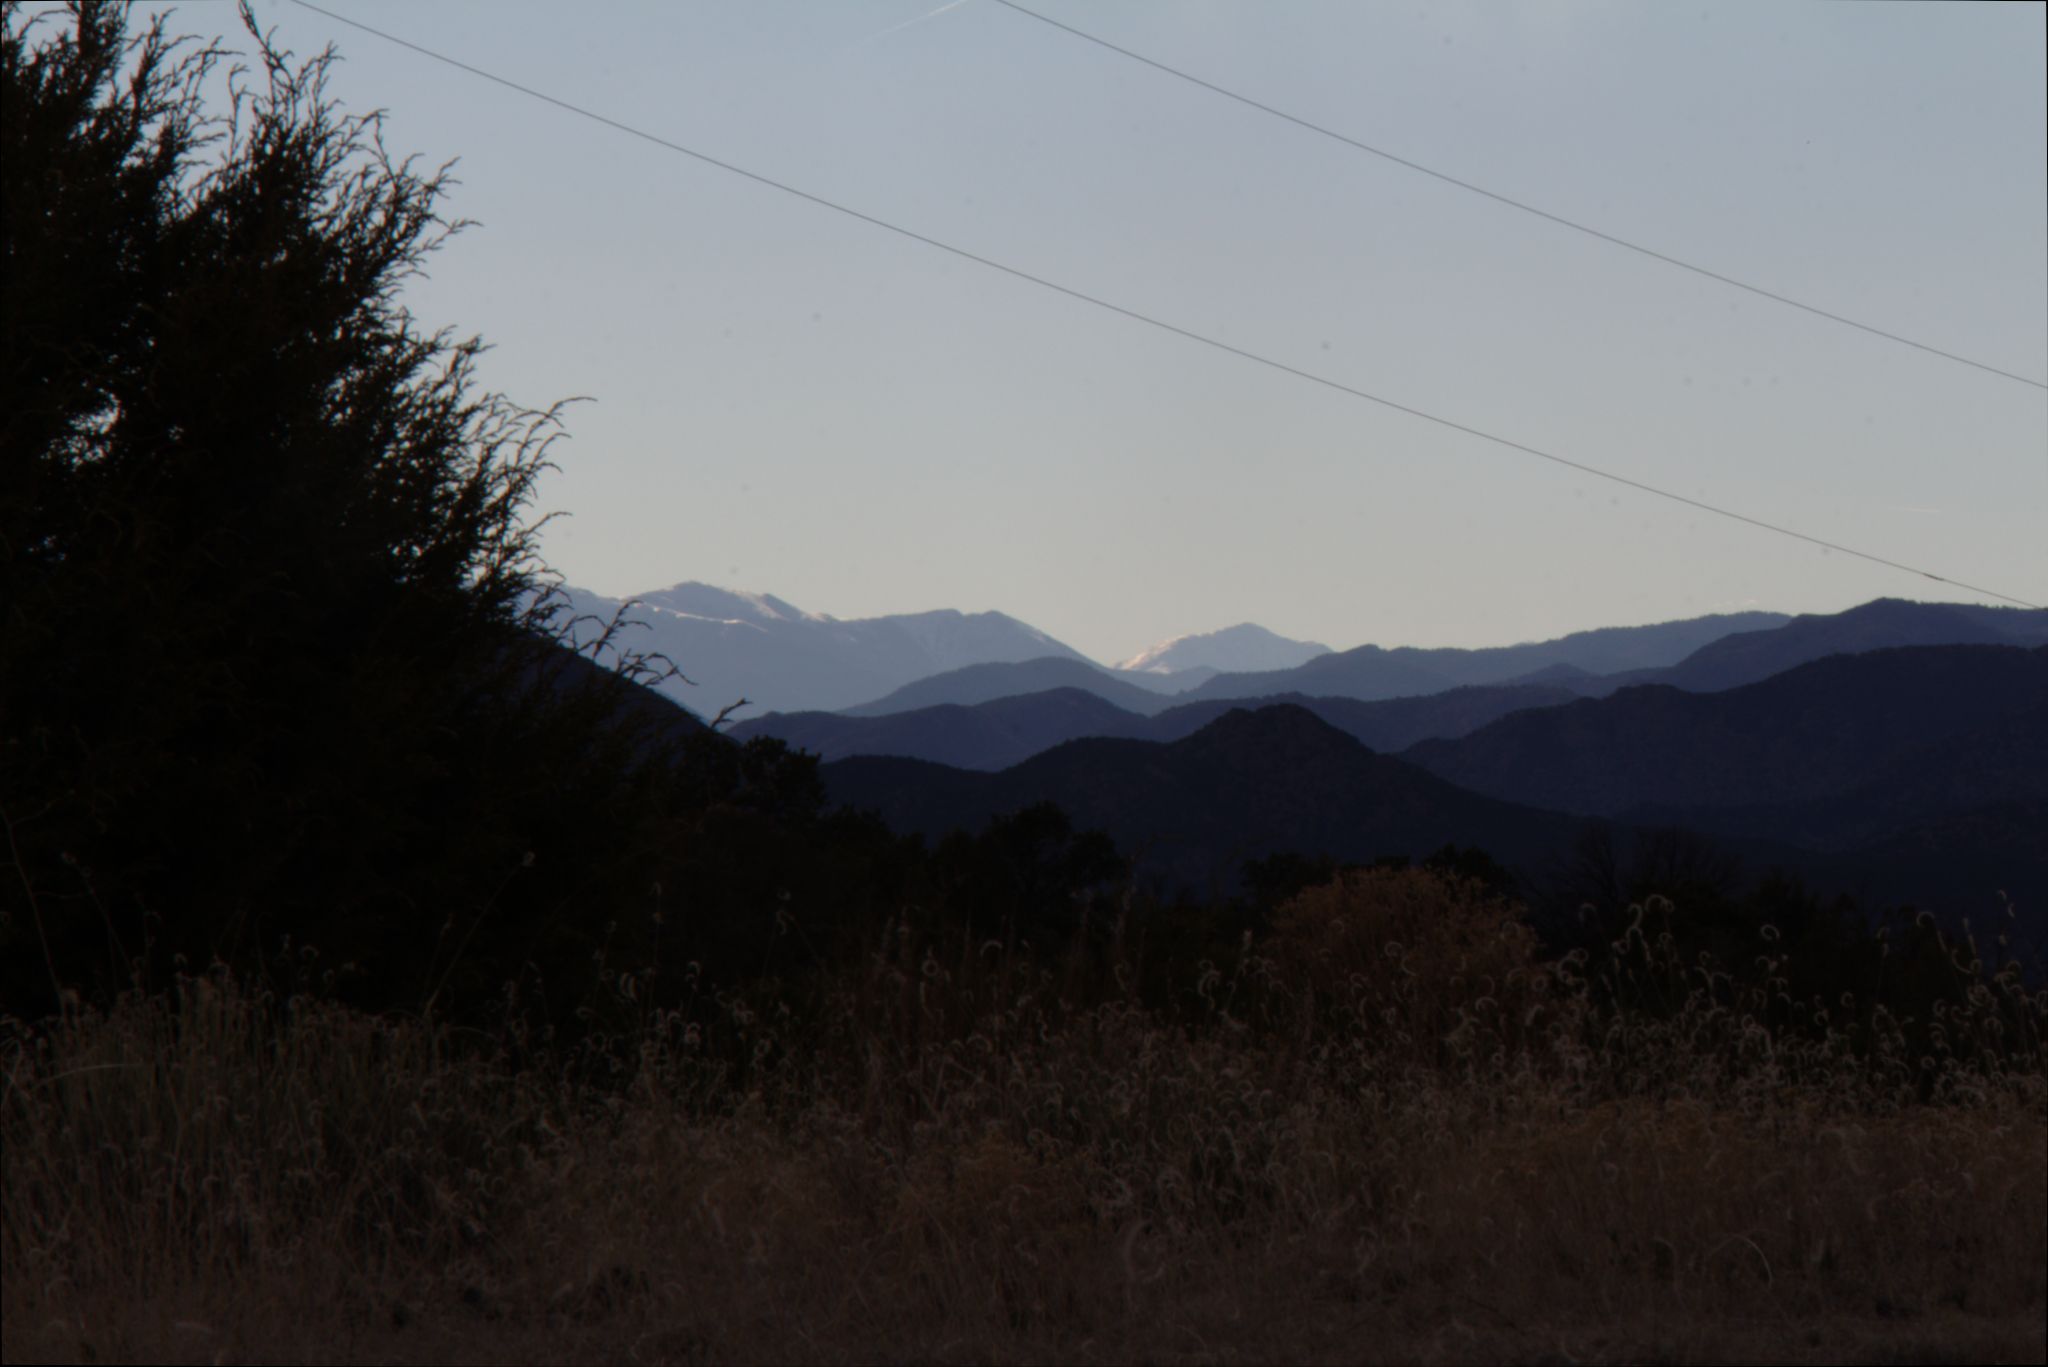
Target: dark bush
279, 673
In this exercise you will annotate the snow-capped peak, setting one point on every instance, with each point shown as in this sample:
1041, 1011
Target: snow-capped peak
1244, 647
734, 643
693, 599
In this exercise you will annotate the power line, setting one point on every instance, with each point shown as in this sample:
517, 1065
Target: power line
1147, 319
1499, 198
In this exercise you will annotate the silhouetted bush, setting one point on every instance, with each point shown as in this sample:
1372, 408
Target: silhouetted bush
279, 675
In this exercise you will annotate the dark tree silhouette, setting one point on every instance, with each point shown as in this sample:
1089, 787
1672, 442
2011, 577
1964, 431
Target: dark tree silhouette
275, 667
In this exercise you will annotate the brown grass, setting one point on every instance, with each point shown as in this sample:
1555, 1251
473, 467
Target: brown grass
1394, 1135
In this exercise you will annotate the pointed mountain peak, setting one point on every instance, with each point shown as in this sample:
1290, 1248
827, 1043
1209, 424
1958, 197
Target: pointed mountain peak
1242, 648
1279, 732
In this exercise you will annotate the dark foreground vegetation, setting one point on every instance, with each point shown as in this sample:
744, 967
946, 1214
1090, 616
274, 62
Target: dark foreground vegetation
1389, 1129
379, 981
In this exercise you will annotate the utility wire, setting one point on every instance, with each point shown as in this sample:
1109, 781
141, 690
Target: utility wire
1498, 198
1147, 319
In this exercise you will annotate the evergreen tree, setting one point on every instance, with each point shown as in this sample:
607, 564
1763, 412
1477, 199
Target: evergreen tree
274, 666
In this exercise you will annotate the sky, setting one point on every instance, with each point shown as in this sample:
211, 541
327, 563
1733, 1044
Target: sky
788, 400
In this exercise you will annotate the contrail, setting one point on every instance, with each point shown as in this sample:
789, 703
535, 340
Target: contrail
893, 28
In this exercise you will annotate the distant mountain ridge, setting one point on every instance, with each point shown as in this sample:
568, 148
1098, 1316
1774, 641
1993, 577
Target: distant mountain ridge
1884, 623
1368, 673
1913, 775
972, 685
1702, 654
783, 659
1903, 774
984, 736
1246, 785
1373, 672
1246, 646
1916, 731
737, 645
998, 733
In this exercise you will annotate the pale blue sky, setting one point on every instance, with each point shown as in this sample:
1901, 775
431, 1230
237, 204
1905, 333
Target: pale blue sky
795, 402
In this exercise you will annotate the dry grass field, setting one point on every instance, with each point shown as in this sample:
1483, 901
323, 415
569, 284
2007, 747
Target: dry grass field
1389, 1132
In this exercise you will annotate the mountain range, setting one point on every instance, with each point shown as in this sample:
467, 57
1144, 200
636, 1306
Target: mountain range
1904, 775
1580, 662
1897, 750
1000, 732
1836, 752
734, 645
1002, 713
1371, 672
1246, 646
982, 683
1748, 656
1192, 811
780, 658
1700, 654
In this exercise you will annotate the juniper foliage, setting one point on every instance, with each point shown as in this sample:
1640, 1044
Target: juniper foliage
278, 665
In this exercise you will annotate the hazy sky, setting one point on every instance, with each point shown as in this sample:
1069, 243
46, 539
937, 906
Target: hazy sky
789, 400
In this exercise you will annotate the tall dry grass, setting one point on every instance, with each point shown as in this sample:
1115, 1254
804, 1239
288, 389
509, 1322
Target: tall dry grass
1389, 1131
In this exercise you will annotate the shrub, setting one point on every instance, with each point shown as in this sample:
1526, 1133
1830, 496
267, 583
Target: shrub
1413, 956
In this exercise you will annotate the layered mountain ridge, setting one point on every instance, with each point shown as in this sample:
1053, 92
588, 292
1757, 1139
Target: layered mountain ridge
1897, 750
999, 732
734, 645
1912, 775
1246, 646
